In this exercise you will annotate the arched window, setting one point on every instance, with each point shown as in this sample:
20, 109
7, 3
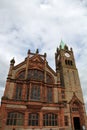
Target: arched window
21, 75
50, 119
15, 118
35, 74
33, 119
68, 62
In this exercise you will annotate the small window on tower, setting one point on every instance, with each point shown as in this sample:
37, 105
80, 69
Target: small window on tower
66, 62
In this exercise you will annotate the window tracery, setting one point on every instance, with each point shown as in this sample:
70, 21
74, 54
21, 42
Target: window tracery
21, 75
35, 75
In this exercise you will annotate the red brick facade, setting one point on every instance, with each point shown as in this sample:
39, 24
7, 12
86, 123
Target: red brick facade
38, 98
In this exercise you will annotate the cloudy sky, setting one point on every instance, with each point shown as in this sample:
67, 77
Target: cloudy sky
32, 24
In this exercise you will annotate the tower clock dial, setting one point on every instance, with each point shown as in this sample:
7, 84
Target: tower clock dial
67, 54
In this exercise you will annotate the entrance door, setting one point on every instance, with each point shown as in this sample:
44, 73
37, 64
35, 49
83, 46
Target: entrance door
76, 121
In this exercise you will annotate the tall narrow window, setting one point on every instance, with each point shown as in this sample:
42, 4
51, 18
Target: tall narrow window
33, 119
66, 120
18, 95
49, 94
50, 119
15, 118
66, 62
35, 92
27, 95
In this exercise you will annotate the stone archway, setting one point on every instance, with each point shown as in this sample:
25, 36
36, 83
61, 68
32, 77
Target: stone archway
77, 113
77, 125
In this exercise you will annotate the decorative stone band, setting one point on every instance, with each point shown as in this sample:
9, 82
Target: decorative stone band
16, 106
50, 108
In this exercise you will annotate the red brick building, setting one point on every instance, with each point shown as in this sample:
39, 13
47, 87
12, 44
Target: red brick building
38, 98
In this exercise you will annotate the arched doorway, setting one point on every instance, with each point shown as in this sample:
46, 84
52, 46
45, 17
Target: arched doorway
76, 121
77, 113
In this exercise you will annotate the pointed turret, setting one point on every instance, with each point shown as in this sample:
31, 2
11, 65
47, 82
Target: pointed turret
12, 62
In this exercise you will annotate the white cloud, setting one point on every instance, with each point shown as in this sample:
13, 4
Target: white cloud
32, 24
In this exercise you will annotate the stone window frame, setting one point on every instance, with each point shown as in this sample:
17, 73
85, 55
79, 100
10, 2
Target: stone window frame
15, 118
33, 119
50, 119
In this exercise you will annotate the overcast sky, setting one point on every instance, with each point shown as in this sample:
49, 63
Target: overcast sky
32, 24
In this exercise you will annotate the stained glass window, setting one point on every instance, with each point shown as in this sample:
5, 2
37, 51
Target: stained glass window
50, 119
21, 75
33, 119
15, 118
35, 75
35, 92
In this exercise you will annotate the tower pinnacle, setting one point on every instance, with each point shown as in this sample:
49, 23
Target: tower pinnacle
62, 44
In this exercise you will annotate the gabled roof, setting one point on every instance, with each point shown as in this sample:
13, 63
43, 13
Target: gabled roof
75, 98
36, 59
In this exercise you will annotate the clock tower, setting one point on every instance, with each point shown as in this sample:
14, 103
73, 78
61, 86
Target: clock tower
69, 79
66, 67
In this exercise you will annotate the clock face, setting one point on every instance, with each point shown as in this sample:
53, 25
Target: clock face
67, 54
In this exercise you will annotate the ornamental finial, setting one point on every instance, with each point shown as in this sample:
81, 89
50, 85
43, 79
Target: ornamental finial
37, 51
12, 62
